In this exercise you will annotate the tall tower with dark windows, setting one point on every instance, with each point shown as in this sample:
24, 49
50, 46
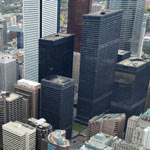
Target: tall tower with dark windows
56, 55
130, 87
99, 50
133, 13
57, 102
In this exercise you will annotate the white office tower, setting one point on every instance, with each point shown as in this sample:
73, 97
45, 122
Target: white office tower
143, 31
40, 19
48, 17
8, 72
18, 136
146, 138
131, 23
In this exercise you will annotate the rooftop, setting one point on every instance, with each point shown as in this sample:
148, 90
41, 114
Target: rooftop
132, 62
57, 36
122, 52
58, 138
28, 83
107, 116
102, 13
19, 128
10, 96
59, 80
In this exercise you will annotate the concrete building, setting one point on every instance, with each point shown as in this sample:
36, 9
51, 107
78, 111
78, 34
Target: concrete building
56, 55
120, 144
146, 138
31, 92
57, 140
76, 9
43, 129
18, 136
100, 141
57, 102
8, 72
133, 13
100, 39
130, 87
147, 5
112, 124
1, 39
137, 121
122, 55
38, 23
11, 105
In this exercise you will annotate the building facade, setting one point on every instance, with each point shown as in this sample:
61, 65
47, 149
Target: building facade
11, 109
112, 124
57, 102
31, 92
98, 58
131, 23
130, 87
40, 22
17, 135
77, 8
43, 129
8, 75
56, 55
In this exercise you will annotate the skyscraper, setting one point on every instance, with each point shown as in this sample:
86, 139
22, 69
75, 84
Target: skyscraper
57, 102
100, 38
19, 136
56, 55
131, 23
31, 92
43, 129
1, 38
122, 55
76, 8
11, 105
40, 19
130, 86
8, 75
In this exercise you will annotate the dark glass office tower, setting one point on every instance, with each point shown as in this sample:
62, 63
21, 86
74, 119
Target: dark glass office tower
57, 102
99, 49
19, 40
130, 86
56, 55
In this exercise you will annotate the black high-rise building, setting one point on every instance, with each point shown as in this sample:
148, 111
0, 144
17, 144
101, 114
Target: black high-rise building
99, 49
130, 86
57, 102
56, 55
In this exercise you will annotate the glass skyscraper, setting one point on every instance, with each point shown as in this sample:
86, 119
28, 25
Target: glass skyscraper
99, 49
131, 23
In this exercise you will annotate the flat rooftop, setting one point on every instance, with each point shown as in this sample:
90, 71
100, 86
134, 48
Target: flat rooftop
18, 128
122, 52
107, 117
59, 80
102, 13
132, 62
55, 37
